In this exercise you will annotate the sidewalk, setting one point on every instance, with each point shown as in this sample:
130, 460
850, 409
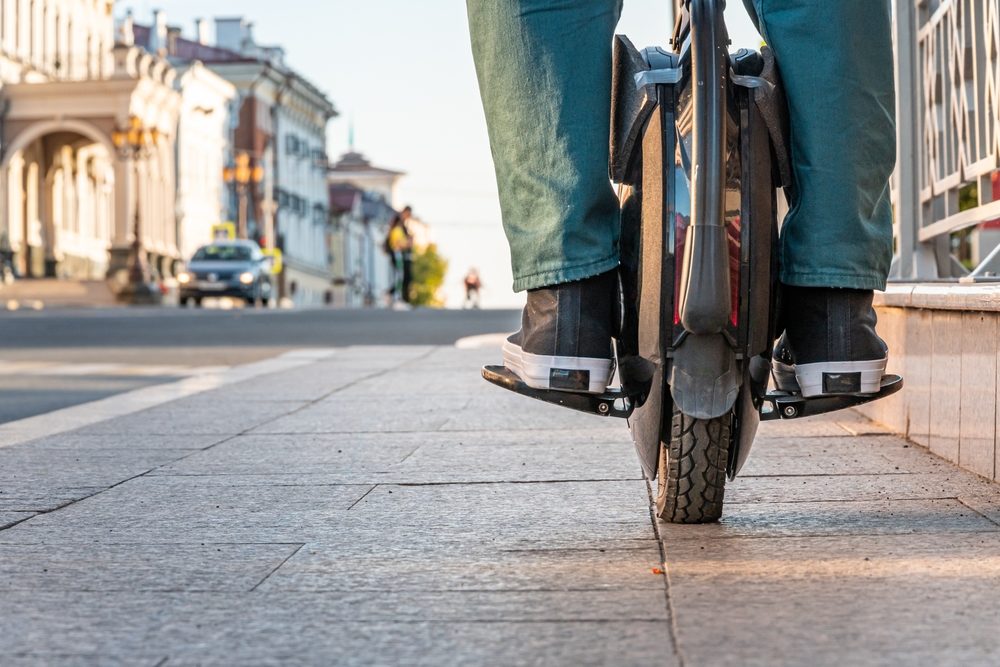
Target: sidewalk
386, 506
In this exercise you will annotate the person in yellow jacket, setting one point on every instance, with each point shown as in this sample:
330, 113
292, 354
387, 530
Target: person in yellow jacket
399, 244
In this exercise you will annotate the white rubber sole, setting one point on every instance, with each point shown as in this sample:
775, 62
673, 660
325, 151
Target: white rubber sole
784, 377
833, 378
575, 374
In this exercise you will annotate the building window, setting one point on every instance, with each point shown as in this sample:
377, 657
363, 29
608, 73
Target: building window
319, 214
320, 159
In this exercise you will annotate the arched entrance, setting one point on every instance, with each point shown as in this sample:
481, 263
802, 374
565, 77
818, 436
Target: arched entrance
60, 203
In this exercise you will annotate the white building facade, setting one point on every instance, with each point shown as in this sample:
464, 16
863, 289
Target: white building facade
280, 124
360, 237
303, 202
70, 205
203, 149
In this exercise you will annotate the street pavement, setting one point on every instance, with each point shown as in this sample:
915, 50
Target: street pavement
53, 359
382, 505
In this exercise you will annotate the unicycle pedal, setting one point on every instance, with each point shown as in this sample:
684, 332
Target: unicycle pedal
786, 405
636, 374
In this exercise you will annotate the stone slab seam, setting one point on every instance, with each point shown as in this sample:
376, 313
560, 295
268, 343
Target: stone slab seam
301, 357
304, 406
120, 405
671, 611
973, 509
278, 567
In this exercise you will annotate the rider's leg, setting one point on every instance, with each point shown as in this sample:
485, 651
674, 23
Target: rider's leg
836, 243
544, 71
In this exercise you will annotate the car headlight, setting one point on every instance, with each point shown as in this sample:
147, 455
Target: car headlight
183, 277
246, 278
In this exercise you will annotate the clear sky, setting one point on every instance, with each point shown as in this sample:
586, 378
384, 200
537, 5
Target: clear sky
402, 72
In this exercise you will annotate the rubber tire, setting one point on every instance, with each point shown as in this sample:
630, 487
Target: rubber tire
691, 481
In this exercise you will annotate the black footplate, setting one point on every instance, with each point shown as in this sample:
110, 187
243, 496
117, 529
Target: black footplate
782, 405
612, 403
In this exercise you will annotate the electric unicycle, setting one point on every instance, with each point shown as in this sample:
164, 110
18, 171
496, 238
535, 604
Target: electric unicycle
699, 150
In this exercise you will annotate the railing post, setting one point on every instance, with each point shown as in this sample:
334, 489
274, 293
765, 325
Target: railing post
913, 260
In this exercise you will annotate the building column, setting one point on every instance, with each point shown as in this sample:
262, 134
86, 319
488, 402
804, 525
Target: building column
24, 29
124, 215
9, 24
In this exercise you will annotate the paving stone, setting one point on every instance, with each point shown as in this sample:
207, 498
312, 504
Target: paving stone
506, 411
208, 419
779, 519
461, 361
342, 457
838, 456
559, 460
31, 498
43, 479
411, 458
139, 567
833, 424
605, 565
432, 381
8, 519
346, 414
985, 501
506, 514
389, 355
444, 521
83, 660
309, 383
587, 628
80, 466
152, 510
885, 600
76, 440
854, 487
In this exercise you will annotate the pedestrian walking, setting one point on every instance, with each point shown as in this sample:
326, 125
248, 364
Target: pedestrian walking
472, 286
399, 245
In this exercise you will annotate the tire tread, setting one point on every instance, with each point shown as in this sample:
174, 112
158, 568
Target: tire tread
693, 469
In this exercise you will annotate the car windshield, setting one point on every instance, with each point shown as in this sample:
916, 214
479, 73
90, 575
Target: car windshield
222, 253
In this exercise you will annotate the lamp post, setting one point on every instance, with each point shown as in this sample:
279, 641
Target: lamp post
133, 143
242, 175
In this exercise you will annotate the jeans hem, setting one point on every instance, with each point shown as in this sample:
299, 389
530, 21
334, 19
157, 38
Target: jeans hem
843, 280
565, 275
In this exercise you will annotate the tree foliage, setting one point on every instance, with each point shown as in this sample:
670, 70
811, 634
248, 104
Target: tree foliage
429, 269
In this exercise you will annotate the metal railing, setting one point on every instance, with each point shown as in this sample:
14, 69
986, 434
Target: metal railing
948, 113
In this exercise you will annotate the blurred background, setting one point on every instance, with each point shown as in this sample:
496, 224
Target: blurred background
302, 127
190, 184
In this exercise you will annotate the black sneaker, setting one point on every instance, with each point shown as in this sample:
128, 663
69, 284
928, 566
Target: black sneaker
565, 338
829, 347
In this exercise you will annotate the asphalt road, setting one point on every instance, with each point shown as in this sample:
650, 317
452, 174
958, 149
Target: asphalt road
57, 358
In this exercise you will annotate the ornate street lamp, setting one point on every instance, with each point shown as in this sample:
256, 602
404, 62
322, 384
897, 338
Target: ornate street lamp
242, 175
134, 142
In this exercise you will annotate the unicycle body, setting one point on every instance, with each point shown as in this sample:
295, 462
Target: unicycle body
698, 175
699, 151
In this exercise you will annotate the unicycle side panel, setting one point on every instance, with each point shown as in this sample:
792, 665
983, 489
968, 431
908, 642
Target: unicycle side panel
649, 221
759, 271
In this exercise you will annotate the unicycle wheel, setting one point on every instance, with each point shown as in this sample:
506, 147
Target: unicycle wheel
691, 479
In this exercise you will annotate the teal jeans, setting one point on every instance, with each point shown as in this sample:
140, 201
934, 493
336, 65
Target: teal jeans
544, 69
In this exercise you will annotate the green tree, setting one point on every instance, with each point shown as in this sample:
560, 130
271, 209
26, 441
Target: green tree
429, 269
